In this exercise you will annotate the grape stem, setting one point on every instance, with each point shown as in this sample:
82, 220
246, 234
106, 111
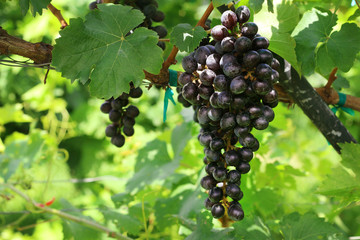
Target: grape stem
357, 3
58, 15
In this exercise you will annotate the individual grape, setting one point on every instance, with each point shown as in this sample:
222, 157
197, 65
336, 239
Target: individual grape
207, 77
248, 140
260, 42
211, 48
233, 191
243, 44
235, 212
219, 174
255, 111
232, 158
205, 139
190, 91
220, 83
159, 16
201, 55
243, 14
227, 44
184, 78
275, 64
210, 167
212, 156
208, 204
215, 194
256, 146
260, 123
238, 85
214, 100
224, 99
261, 87
124, 96
263, 71
111, 130
135, 92
105, 107
115, 115
132, 111
217, 210
243, 167
217, 144
215, 114
213, 61
227, 58
205, 91
183, 101
93, 5
189, 64
161, 31
229, 19
227, 121
234, 176
275, 76
241, 131
265, 56
271, 104
246, 154
128, 121
128, 131
218, 32
243, 119
118, 140
270, 97
149, 10
208, 182
162, 45
218, 48
251, 59
232, 69
202, 115
268, 113
249, 29
117, 104
238, 102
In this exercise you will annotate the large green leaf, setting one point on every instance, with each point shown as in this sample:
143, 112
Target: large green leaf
252, 228
288, 17
256, 5
344, 45
308, 227
314, 27
187, 38
123, 222
100, 49
36, 6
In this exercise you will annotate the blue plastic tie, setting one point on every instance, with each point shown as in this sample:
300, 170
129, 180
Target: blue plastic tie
169, 92
340, 105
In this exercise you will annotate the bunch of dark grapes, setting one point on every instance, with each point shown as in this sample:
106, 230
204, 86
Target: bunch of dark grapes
230, 87
122, 116
150, 9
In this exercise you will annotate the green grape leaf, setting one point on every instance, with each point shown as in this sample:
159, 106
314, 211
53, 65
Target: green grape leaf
344, 45
355, 15
256, 5
284, 45
36, 6
121, 199
13, 113
124, 223
314, 27
308, 227
100, 49
180, 136
324, 63
218, 3
252, 228
342, 183
270, 5
187, 38
153, 163
288, 17
340, 83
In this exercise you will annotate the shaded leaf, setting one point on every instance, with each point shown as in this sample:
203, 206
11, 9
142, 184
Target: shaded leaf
36, 6
123, 222
252, 228
288, 17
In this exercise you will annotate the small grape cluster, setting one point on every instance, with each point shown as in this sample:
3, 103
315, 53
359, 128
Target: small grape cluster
121, 115
150, 9
230, 86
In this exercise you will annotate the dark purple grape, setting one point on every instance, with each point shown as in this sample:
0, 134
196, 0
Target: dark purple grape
243, 119
118, 140
268, 113
218, 48
190, 92
215, 194
124, 96
275, 64
128, 121
211, 48
263, 71
135, 92
246, 154
238, 102
213, 61
227, 58
208, 182
249, 29
132, 111
128, 131
184, 78
270, 97
255, 111
111, 130
229, 19
243, 14
210, 168
241, 131
105, 107
149, 10
212, 156
115, 115
224, 99
183, 101
160, 30
236, 213
260, 123
227, 121
260, 42
214, 100
205, 91
202, 115
250, 59
208, 204
227, 44
217, 210
207, 77
233, 191
271, 104
215, 114
232, 158
243, 44
243, 167
232, 69
238, 85
275, 76
158, 17
93, 5
248, 140
217, 144
234, 176
219, 174
201, 54
205, 139
189, 64
220, 83
117, 104
265, 56
261, 87
219, 32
